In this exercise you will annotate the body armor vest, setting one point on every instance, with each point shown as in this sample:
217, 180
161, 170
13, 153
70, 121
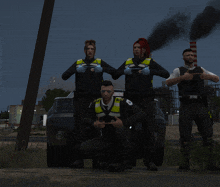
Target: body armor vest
191, 87
143, 64
96, 62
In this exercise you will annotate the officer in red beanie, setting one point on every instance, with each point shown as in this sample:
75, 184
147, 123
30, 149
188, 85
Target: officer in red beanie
139, 72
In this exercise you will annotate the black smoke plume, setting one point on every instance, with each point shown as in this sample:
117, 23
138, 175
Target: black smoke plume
204, 23
168, 30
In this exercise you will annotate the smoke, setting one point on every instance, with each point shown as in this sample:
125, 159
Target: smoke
215, 4
168, 30
206, 22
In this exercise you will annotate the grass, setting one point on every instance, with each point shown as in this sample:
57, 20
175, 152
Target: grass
31, 158
36, 157
171, 155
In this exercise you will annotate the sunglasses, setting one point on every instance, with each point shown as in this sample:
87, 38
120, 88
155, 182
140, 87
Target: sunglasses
103, 91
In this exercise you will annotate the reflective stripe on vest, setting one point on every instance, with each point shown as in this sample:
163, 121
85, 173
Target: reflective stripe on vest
115, 111
143, 64
210, 115
94, 63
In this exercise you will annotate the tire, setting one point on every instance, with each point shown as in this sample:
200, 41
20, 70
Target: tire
159, 154
57, 156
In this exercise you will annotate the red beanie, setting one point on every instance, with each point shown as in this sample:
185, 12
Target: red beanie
143, 44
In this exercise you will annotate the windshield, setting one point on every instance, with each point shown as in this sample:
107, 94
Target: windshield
64, 105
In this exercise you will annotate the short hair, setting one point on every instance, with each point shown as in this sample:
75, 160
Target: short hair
90, 42
107, 83
187, 50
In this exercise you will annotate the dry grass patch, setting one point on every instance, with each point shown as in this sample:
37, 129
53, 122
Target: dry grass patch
30, 158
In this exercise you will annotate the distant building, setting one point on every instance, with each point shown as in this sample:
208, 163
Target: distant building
15, 112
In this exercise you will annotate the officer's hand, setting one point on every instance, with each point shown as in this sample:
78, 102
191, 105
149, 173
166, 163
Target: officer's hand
118, 123
81, 69
99, 124
205, 76
145, 71
128, 71
98, 69
187, 76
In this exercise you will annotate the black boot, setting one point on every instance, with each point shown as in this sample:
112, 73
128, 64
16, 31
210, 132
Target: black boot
116, 167
150, 165
78, 164
149, 160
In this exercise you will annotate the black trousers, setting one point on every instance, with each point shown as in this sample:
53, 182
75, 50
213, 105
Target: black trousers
114, 150
81, 104
144, 138
198, 112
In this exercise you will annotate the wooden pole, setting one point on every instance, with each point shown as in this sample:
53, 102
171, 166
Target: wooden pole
34, 77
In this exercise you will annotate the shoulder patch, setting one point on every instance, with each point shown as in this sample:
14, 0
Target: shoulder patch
129, 102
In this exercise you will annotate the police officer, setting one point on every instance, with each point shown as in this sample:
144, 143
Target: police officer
89, 76
193, 106
111, 117
139, 72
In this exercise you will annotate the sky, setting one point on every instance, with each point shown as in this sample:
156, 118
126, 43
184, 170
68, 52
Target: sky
115, 25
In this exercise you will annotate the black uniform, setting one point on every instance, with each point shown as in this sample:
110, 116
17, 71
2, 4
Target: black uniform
139, 89
193, 106
113, 144
87, 88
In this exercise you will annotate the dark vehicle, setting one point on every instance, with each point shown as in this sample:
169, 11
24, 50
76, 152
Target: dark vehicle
60, 131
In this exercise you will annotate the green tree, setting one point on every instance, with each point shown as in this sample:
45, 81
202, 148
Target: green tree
4, 115
50, 95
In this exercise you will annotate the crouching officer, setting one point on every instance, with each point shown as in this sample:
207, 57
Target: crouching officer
193, 106
139, 72
89, 76
111, 117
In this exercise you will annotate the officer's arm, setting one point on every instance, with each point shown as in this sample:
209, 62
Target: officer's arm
132, 112
158, 70
174, 78
211, 76
68, 73
171, 82
119, 72
107, 68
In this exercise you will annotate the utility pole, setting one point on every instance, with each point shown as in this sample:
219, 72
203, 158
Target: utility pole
34, 77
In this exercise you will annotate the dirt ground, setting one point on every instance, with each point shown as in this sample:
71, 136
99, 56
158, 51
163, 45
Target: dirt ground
138, 176
172, 132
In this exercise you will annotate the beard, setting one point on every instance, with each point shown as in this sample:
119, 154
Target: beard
187, 62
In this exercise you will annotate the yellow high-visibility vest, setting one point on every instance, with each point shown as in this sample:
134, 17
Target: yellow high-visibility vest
115, 111
143, 64
96, 62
